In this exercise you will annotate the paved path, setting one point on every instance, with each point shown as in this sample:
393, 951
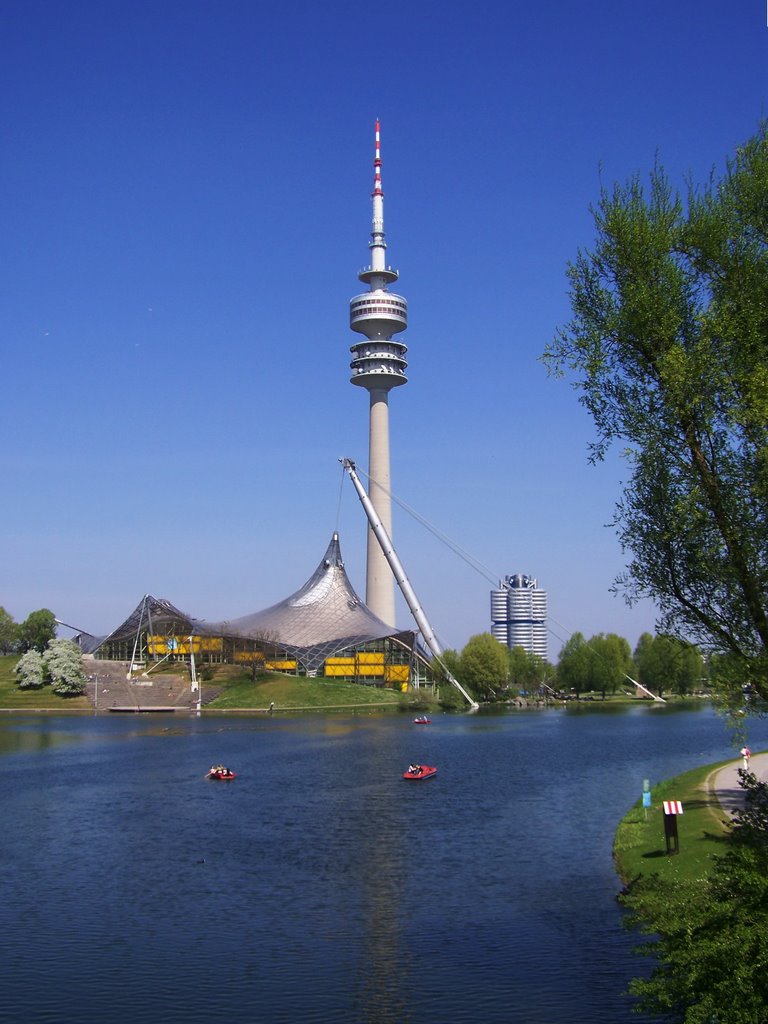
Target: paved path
725, 781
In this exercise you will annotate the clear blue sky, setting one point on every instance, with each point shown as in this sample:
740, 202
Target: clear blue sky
185, 192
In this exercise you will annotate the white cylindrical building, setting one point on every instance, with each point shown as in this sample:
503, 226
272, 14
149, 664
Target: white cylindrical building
519, 614
378, 365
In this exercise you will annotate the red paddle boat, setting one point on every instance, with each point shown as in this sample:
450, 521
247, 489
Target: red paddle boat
420, 771
219, 773
422, 720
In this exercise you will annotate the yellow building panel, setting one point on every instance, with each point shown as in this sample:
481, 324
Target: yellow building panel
171, 644
280, 666
183, 645
249, 656
336, 671
211, 643
370, 670
371, 658
341, 663
397, 673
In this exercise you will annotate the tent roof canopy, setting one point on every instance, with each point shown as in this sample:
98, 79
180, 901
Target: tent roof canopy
326, 608
322, 617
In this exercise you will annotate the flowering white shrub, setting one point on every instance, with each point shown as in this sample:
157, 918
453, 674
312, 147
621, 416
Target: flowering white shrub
30, 670
63, 661
60, 665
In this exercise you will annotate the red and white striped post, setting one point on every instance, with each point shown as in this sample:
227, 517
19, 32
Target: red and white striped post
671, 810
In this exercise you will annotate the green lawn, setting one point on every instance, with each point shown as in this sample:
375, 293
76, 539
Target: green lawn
14, 699
294, 693
639, 843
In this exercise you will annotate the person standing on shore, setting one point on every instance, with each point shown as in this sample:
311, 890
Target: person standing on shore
746, 753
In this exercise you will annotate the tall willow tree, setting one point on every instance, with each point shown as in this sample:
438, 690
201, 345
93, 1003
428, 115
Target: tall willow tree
668, 350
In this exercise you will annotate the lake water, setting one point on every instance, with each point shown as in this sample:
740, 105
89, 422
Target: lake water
319, 886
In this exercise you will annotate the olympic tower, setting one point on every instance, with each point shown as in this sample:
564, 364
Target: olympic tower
378, 364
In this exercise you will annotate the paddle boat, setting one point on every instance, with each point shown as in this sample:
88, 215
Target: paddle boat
420, 771
422, 720
220, 773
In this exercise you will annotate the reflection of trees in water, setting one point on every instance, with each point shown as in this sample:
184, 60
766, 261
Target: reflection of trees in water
32, 740
383, 967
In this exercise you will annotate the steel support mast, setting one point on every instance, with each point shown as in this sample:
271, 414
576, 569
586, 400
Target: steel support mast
401, 579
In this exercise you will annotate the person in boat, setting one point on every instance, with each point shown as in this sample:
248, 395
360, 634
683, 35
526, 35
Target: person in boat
414, 769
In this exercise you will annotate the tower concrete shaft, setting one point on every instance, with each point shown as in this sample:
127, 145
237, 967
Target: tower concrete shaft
379, 581
378, 364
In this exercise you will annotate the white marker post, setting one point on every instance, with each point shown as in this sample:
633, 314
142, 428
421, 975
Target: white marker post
193, 674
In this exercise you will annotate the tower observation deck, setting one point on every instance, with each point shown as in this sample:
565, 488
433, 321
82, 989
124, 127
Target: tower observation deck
378, 364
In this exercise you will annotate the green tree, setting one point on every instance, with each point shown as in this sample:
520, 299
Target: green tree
650, 668
30, 670
450, 698
573, 666
601, 663
451, 661
723, 669
484, 665
63, 662
610, 662
668, 346
689, 669
526, 670
666, 663
9, 632
37, 630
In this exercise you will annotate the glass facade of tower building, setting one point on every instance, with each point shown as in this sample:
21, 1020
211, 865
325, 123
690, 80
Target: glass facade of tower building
519, 614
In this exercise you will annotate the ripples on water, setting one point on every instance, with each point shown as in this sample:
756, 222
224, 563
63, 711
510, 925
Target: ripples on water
319, 886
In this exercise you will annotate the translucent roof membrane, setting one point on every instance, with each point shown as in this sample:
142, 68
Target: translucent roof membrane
325, 609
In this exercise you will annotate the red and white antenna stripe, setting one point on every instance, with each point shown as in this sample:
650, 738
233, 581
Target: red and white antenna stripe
377, 164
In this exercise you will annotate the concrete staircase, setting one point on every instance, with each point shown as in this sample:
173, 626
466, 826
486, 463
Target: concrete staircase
109, 687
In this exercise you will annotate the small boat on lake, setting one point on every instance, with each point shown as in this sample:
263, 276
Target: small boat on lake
220, 773
422, 720
420, 771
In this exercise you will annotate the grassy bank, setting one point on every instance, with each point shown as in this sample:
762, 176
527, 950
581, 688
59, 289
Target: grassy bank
701, 913
232, 689
639, 843
238, 692
12, 698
